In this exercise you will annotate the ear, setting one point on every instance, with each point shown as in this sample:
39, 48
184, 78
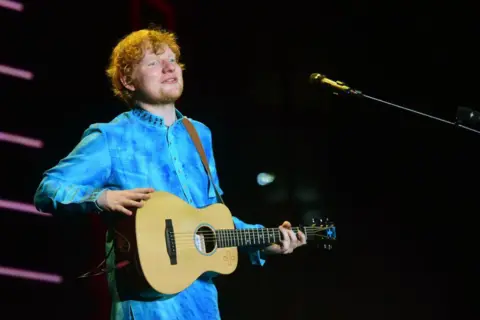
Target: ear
127, 84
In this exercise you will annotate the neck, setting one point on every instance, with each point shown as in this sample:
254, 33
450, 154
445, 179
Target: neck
253, 237
166, 111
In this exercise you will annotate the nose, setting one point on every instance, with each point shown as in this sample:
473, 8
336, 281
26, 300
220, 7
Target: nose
168, 66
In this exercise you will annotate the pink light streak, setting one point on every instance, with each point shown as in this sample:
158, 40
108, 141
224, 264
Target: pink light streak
14, 72
26, 141
23, 207
17, 6
30, 275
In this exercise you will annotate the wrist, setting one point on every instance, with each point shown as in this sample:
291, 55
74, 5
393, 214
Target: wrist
100, 200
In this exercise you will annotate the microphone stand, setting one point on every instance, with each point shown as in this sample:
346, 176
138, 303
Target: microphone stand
464, 114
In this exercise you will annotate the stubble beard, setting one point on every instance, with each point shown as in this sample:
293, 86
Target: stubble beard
163, 99
170, 98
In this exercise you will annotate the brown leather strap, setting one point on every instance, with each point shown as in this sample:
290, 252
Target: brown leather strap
198, 144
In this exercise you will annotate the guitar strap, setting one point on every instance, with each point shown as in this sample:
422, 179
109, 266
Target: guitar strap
198, 145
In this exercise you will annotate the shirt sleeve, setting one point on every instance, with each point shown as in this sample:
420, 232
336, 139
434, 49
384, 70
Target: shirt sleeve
256, 255
76, 182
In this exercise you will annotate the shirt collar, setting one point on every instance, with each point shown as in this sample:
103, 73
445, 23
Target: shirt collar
152, 119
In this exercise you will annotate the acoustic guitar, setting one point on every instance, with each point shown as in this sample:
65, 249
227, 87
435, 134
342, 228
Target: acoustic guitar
167, 244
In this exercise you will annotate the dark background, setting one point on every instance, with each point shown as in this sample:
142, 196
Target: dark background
400, 187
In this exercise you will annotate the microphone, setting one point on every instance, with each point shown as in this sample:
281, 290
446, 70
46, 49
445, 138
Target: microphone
317, 78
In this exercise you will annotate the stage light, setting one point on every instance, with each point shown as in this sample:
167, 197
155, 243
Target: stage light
15, 72
17, 139
12, 5
22, 207
30, 275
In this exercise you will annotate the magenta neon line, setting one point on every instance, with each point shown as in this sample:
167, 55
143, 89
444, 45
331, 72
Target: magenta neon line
13, 5
15, 72
30, 275
17, 139
23, 207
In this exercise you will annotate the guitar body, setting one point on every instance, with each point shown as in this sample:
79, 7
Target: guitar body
168, 244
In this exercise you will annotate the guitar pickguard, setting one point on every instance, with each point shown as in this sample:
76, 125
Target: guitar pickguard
200, 243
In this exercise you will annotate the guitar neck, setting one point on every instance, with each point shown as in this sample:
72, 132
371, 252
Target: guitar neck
253, 237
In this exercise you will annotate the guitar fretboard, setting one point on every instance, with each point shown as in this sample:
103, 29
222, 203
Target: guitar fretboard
251, 237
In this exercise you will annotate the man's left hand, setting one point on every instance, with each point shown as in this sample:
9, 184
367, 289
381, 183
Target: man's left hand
290, 240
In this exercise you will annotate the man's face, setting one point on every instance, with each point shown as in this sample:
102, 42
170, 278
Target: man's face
158, 77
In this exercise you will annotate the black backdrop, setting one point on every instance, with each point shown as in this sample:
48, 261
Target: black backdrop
400, 187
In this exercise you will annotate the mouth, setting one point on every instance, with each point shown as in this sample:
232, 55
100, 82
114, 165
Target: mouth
170, 80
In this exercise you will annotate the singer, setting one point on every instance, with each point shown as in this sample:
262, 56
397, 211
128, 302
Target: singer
116, 165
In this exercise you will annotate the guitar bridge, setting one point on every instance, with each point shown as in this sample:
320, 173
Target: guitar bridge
170, 241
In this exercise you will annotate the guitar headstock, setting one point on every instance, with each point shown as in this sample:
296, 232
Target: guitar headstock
321, 230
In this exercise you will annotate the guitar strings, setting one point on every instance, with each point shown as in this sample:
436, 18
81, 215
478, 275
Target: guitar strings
214, 240
238, 239
227, 240
191, 245
241, 232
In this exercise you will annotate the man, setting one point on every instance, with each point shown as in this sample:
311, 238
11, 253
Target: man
118, 164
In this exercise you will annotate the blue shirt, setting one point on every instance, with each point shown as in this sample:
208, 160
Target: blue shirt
137, 150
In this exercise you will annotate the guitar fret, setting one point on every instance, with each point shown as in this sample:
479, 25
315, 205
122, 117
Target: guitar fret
238, 238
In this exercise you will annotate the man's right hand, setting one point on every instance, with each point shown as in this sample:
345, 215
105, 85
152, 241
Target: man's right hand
121, 200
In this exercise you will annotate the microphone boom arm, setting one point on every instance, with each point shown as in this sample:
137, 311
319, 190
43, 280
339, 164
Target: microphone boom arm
317, 78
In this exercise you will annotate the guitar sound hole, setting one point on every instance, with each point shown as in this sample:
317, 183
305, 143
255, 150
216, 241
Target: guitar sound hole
205, 240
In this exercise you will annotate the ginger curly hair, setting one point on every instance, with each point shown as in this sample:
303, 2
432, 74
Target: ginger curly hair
130, 51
